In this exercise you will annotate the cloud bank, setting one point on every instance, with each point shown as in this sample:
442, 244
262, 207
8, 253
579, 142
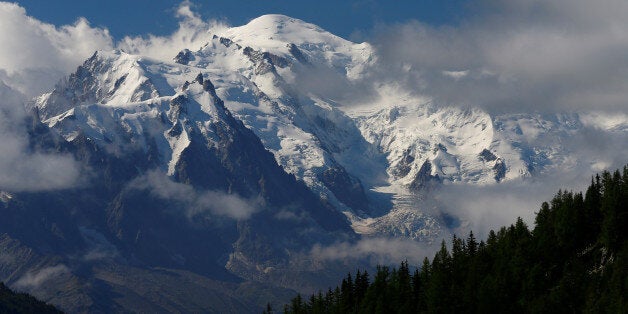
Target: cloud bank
482, 208
35, 279
519, 55
35, 55
21, 167
195, 202
377, 251
192, 34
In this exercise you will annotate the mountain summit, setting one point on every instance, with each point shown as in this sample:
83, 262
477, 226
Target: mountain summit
274, 31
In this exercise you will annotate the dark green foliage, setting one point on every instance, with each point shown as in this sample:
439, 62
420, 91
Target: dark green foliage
11, 302
574, 260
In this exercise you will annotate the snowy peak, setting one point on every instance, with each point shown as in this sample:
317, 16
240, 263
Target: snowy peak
108, 77
301, 41
274, 31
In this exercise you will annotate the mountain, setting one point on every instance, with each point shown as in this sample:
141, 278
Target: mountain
219, 170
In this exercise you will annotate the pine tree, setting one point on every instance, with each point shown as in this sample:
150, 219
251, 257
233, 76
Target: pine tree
403, 290
361, 286
438, 291
472, 244
269, 309
347, 295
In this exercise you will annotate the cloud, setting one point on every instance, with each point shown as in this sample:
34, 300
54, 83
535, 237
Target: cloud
482, 208
223, 204
98, 247
517, 55
21, 167
35, 279
35, 55
196, 202
23, 171
192, 34
377, 251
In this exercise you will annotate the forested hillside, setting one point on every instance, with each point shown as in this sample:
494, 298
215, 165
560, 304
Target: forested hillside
573, 260
11, 302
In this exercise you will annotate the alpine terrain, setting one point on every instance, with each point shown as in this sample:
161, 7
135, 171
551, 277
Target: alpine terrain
209, 180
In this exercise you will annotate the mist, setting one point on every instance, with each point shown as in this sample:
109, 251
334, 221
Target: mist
515, 56
377, 251
193, 33
38, 278
196, 202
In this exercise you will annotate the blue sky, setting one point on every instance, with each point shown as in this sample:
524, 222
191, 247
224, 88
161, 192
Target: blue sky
347, 19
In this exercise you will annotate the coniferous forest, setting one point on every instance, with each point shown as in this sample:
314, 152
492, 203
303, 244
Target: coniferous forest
573, 260
11, 302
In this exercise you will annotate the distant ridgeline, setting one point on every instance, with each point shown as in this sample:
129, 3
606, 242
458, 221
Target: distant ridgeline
11, 302
574, 260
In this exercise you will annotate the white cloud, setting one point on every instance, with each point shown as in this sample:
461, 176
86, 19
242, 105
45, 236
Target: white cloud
378, 251
519, 55
35, 55
192, 34
35, 279
23, 171
223, 204
196, 202
21, 167
482, 208
456, 75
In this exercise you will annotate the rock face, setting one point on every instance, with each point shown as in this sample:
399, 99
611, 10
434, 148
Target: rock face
346, 188
184, 57
486, 155
424, 179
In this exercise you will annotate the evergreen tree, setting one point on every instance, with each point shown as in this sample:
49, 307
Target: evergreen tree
12, 302
269, 309
347, 299
472, 244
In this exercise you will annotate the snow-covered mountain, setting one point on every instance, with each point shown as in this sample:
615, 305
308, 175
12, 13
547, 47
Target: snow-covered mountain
391, 146
286, 121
